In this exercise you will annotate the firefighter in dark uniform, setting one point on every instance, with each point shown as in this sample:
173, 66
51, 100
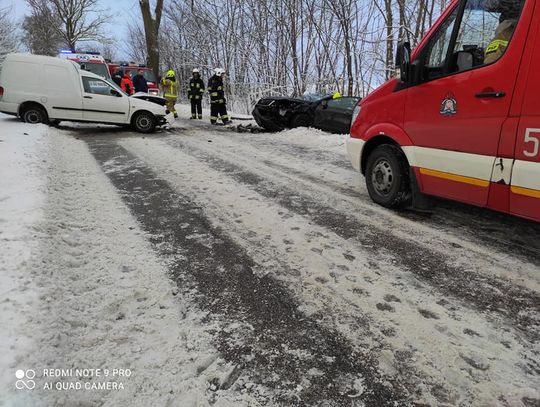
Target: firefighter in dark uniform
218, 103
195, 94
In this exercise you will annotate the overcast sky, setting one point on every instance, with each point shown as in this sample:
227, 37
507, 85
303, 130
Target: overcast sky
122, 10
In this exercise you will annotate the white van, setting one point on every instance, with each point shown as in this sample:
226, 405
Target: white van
42, 89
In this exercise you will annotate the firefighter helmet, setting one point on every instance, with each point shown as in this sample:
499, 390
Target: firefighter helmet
170, 74
219, 71
196, 70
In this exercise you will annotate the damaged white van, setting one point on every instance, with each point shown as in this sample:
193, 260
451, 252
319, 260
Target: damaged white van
41, 89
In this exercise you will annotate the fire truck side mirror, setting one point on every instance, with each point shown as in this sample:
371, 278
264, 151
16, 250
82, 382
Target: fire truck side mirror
403, 61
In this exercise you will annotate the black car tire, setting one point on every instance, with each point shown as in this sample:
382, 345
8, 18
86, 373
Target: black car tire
34, 114
387, 176
301, 120
144, 122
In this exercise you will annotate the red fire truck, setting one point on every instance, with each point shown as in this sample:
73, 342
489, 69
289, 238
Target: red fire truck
132, 69
462, 120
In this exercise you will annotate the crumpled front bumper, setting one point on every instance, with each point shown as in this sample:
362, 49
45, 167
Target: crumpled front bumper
166, 120
266, 122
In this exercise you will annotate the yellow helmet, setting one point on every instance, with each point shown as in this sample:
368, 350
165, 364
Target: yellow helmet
170, 74
336, 95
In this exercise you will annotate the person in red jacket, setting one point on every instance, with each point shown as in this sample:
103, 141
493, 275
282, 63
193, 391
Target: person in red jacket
127, 84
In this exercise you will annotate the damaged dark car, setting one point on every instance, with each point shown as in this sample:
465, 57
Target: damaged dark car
325, 112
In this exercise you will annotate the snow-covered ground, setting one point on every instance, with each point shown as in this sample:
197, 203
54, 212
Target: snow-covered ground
251, 269
82, 288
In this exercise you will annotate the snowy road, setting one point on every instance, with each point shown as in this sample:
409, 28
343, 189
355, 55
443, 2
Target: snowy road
289, 286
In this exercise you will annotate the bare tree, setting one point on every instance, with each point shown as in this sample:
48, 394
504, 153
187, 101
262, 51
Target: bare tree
41, 29
80, 21
283, 46
108, 51
135, 46
151, 31
8, 38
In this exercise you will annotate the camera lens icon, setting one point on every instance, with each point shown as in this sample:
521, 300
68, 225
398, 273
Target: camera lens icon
27, 383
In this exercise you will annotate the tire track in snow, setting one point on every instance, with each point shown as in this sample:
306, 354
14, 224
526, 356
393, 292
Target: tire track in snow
282, 146
485, 293
504, 233
494, 237
336, 287
204, 257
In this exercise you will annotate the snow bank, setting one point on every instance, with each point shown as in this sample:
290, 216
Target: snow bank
22, 198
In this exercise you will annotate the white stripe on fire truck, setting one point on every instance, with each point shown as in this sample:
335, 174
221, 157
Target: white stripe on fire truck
474, 166
526, 174
473, 169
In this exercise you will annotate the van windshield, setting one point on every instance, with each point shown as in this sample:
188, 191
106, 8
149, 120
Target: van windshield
114, 85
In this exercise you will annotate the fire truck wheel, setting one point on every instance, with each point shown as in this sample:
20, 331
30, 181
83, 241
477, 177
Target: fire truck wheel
387, 176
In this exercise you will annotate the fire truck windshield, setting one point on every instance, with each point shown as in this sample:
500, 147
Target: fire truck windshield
98, 69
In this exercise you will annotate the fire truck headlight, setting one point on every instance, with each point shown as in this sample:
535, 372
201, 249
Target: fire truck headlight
355, 114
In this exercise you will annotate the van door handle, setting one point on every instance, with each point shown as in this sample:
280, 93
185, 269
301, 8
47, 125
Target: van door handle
490, 94
88, 97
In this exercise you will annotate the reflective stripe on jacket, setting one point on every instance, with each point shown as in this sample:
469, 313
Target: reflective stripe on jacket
170, 89
498, 45
215, 88
196, 88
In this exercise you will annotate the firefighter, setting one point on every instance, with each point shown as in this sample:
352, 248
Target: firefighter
218, 103
117, 77
195, 92
127, 84
510, 10
170, 91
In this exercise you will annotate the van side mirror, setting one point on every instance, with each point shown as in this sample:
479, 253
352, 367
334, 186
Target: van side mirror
403, 61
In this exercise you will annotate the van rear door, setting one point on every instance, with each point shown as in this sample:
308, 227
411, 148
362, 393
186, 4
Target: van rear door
63, 92
461, 98
103, 103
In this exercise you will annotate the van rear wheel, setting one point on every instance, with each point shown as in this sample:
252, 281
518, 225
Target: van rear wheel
387, 176
144, 122
34, 115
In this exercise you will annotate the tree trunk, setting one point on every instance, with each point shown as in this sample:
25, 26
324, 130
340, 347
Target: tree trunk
389, 18
151, 32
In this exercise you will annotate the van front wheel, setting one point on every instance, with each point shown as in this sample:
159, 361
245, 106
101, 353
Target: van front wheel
387, 176
144, 122
34, 115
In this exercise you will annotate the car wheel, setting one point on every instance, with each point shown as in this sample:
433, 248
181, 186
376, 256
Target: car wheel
144, 122
34, 115
387, 176
301, 120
